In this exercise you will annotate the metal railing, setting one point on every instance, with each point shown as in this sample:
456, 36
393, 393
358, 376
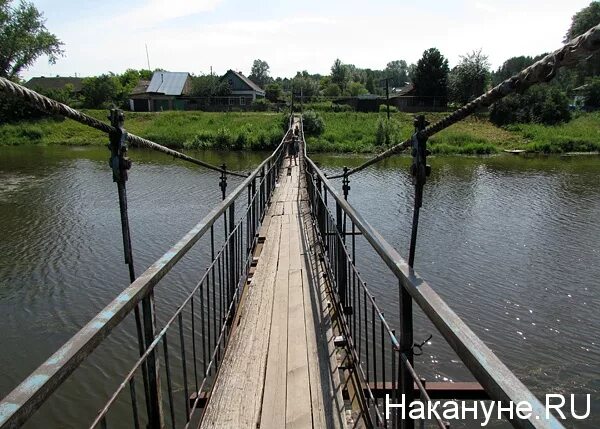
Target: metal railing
178, 364
380, 356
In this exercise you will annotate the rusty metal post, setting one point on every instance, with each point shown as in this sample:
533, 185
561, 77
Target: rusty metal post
223, 181
232, 247
342, 269
120, 164
346, 183
419, 170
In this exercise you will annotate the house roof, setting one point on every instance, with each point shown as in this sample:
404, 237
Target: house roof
141, 87
168, 83
247, 81
55, 82
405, 90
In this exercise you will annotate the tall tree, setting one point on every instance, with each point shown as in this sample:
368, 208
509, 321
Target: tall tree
469, 78
581, 22
24, 38
340, 74
259, 74
397, 71
510, 67
431, 74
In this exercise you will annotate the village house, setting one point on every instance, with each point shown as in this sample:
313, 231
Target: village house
166, 91
45, 84
243, 90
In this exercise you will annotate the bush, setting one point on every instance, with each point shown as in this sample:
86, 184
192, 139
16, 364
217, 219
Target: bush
540, 104
592, 94
383, 108
313, 123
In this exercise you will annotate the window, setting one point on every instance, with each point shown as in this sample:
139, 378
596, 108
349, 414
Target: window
230, 101
242, 101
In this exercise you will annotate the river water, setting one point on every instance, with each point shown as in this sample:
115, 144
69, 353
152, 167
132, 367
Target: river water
511, 243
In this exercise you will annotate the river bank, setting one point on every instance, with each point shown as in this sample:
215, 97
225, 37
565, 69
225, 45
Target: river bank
345, 132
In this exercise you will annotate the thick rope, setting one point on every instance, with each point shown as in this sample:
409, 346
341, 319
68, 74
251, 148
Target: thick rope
54, 107
542, 71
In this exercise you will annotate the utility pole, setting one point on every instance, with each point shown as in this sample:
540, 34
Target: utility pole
148, 57
387, 96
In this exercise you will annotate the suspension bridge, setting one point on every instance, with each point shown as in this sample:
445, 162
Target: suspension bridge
280, 330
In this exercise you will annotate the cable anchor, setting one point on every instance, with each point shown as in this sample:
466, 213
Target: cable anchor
119, 162
346, 183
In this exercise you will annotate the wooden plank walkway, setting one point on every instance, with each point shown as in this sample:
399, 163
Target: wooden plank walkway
280, 370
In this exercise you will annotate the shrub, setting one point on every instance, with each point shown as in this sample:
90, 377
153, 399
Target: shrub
223, 139
540, 104
383, 108
313, 123
592, 94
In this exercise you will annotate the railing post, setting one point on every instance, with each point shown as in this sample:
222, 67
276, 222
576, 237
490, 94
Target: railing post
419, 170
262, 192
232, 261
253, 210
318, 196
223, 181
341, 259
120, 164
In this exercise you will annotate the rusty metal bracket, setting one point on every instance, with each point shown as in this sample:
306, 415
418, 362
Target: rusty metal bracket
119, 163
419, 346
346, 183
223, 181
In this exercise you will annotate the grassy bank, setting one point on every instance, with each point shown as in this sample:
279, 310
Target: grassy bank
345, 132
357, 132
201, 130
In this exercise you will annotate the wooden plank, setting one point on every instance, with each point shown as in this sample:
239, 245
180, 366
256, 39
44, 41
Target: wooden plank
275, 393
326, 389
314, 371
298, 405
236, 398
294, 242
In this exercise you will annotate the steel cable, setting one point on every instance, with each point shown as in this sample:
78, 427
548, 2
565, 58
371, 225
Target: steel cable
542, 71
51, 106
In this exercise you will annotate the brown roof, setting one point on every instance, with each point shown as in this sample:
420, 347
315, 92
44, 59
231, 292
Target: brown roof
55, 83
247, 81
404, 91
141, 87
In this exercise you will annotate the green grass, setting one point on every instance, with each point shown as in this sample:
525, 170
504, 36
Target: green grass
345, 132
252, 131
581, 134
476, 135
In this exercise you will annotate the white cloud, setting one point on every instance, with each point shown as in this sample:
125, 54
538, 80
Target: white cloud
292, 41
158, 11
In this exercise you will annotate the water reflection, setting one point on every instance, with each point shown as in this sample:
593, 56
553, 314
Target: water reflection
511, 243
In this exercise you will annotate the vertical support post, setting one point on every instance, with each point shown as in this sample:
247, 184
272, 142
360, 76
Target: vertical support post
262, 192
341, 259
232, 247
120, 164
346, 183
419, 170
405, 381
387, 96
318, 196
223, 181
253, 210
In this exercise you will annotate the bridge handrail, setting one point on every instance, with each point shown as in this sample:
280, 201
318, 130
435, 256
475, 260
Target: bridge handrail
498, 381
31, 393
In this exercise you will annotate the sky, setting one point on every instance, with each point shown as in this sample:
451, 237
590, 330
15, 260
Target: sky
195, 35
